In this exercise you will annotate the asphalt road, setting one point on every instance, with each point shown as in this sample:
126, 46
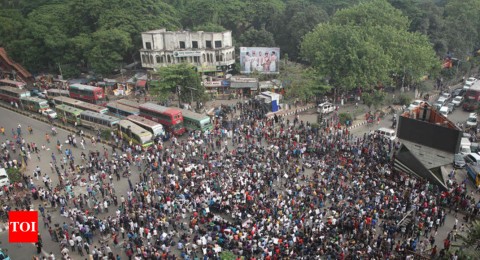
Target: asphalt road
10, 120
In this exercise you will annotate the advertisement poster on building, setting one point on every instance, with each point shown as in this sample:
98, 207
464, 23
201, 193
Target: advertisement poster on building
259, 59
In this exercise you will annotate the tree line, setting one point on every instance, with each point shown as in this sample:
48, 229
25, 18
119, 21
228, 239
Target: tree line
348, 43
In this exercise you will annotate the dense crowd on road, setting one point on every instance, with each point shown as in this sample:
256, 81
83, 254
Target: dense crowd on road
262, 188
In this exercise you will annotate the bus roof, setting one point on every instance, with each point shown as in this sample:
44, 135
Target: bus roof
67, 100
476, 86
134, 127
160, 109
100, 116
194, 115
143, 121
36, 99
55, 90
69, 109
84, 87
115, 105
13, 82
129, 103
14, 89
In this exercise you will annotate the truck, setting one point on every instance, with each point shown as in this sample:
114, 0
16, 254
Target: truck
472, 97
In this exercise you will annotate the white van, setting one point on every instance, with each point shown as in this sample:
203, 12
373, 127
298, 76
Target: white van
472, 120
325, 108
465, 146
387, 133
444, 111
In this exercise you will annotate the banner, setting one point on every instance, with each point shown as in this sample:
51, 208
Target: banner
263, 60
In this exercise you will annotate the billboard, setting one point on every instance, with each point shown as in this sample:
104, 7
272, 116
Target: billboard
259, 59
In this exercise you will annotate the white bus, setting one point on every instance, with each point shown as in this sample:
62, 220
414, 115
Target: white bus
153, 127
134, 133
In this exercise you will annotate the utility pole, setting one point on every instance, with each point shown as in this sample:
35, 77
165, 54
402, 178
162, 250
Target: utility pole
179, 89
191, 93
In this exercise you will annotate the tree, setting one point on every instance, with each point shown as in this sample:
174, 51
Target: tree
367, 44
107, 49
301, 83
299, 18
470, 242
258, 38
375, 99
181, 79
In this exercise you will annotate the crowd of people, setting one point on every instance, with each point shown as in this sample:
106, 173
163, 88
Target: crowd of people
262, 188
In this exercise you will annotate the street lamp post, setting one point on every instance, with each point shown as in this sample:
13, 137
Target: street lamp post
179, 89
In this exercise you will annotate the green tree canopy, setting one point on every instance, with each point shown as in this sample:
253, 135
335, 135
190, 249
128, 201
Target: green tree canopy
367, 44
179, 78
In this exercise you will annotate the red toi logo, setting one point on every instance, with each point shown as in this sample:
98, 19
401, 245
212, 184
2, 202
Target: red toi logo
23, 227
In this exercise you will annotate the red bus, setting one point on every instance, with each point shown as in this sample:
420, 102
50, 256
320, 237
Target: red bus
90, 94
472, 97
170, 118
10, 94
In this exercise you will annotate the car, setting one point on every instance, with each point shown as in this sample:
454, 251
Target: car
49, 113
472, 120
472, 158
458, 161
4, 180
446, 95
387, 133
470, 80
437, 105
468, 85
444, 111
325, 108
416, 103
457, 101
442, 99
451, 107
458, 92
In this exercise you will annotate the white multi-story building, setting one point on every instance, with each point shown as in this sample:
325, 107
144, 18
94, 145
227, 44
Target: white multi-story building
208, 51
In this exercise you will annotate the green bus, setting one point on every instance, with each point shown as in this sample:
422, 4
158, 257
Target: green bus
195, 121
34, 104
68, 114
134, 133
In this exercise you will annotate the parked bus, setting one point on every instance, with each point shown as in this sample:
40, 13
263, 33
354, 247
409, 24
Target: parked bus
90, 94
34, 104
153, 127
80, 104
53, 92
134, 133
12, 83
10, 94
129, 103
472, 97
122, 110
195, 121
98, 121
68, 114
170, 118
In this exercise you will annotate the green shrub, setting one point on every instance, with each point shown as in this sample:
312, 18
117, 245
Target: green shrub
402, 99
344, 117
14, 174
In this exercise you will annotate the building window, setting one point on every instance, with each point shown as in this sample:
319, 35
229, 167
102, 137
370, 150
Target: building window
148, 45
182, 45
204, 59
168, 59
162, 59
218, 44
217, 56
194, 45
196, 59
158, 59
208, 44
151, 59
211, 57
143, 58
